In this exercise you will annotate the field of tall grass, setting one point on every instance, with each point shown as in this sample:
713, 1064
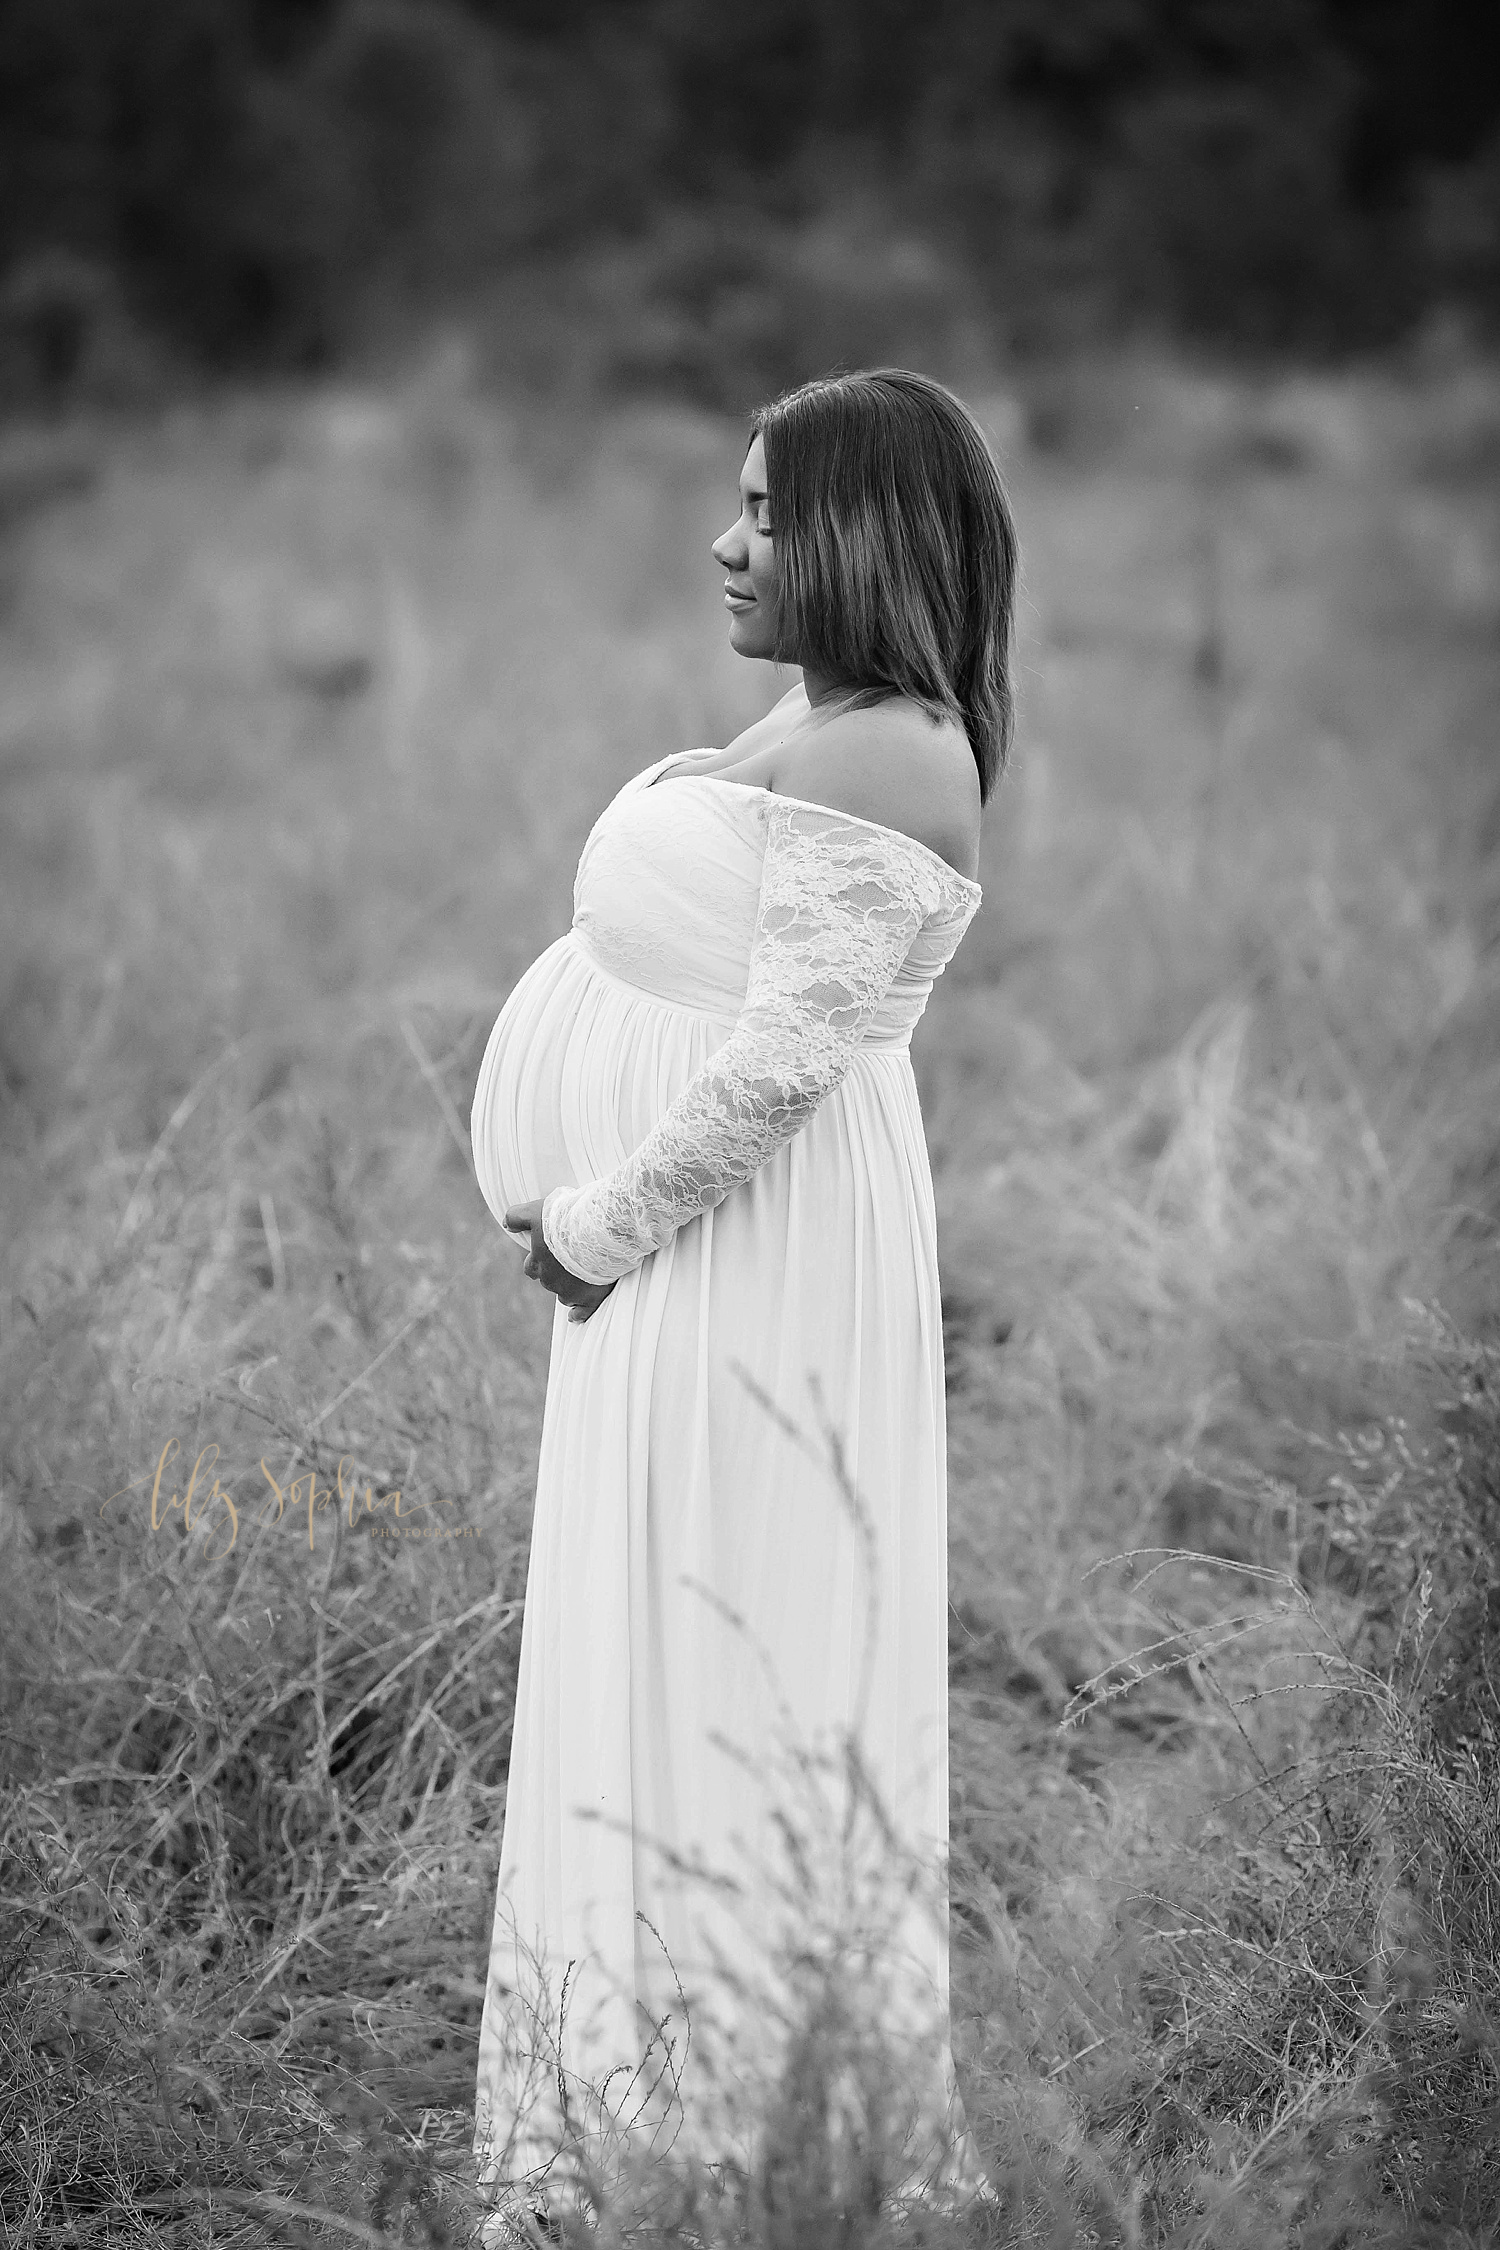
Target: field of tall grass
309, 699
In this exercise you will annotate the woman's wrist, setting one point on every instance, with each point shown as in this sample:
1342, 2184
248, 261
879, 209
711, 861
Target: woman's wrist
547, 1220
556, 1205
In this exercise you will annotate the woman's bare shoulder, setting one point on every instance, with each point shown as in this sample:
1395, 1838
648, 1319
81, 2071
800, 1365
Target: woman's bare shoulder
895, 764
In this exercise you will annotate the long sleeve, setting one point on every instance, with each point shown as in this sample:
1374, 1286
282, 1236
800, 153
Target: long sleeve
840, 903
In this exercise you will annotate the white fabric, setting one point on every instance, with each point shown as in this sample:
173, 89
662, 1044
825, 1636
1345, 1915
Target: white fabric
708, 1078
840, 902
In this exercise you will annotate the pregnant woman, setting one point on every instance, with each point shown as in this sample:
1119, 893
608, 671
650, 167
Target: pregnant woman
698, 1109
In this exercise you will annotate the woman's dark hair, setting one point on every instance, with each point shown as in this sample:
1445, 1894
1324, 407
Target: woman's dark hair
896, 551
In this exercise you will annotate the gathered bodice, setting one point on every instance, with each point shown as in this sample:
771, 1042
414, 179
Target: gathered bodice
668, 889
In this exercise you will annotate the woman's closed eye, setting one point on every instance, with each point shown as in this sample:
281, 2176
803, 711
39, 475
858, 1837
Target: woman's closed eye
753, 505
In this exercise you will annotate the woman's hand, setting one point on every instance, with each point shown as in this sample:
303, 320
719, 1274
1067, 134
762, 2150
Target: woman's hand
582, 1298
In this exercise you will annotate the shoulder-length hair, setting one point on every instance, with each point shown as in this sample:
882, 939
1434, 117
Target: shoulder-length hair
896, 551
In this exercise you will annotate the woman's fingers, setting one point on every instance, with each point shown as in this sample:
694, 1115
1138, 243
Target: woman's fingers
588, 1304
582, 1298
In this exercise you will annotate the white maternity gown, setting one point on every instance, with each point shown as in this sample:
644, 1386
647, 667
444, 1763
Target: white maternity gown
708, 1078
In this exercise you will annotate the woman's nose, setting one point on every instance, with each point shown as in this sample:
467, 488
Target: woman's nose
730, 551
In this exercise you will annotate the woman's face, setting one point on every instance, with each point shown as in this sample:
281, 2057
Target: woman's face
748, 558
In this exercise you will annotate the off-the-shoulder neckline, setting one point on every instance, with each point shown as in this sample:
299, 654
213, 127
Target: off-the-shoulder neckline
809, 804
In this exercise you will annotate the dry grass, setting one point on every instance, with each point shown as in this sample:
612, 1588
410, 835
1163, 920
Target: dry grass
309, 703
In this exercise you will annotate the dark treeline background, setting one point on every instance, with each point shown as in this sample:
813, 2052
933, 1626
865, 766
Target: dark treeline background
264, 183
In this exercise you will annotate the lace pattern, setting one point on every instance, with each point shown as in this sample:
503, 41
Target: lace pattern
840, 902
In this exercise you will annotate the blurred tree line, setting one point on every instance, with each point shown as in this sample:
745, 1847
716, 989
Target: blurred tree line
263, 182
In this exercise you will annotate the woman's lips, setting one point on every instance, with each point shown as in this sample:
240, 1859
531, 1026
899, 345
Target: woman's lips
732, 600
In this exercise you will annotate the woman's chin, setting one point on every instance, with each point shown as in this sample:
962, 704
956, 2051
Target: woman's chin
747, 634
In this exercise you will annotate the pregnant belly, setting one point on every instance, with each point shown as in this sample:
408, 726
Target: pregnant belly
516, 1123
577, 1070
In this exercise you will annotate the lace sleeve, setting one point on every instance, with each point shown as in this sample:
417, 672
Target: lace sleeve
840, 903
